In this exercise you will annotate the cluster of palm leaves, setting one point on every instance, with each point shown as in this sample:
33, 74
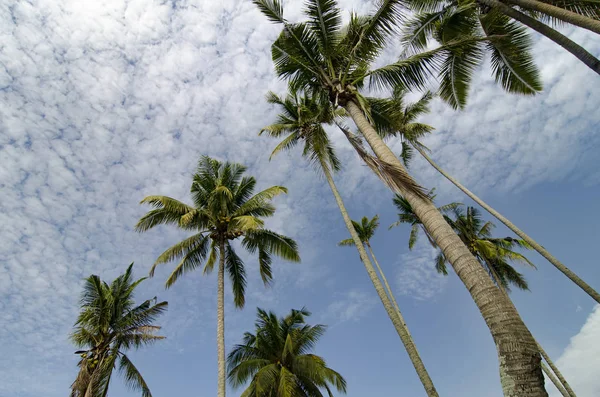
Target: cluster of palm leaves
331, 75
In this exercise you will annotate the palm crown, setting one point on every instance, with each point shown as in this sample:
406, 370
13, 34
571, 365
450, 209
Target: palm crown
301, 120
225, 209
109, 323
493, 253
321, 55
277, 359
365, 230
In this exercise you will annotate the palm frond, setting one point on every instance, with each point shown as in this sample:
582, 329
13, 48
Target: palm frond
133, 378
237, 274
511, 59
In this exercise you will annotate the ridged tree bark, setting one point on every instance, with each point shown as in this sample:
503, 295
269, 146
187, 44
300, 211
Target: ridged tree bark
398, 323
221, 321
578, 51
518, 356
541, 250
557, 384
559, 13
564, 385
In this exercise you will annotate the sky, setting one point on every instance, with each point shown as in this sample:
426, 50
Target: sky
105, 102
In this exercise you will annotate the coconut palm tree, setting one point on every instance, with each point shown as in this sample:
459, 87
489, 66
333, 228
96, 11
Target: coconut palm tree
224, 210
321, 57
109, 324
277, 359
301, 121
443, 20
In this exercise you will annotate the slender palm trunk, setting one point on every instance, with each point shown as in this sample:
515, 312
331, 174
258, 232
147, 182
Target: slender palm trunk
578, 51
551, 376
387, 285
519, 360
562, 386
396, 319
559, 13
221, 321
542, 251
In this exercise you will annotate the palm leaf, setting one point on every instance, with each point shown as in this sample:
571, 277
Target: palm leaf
237, 274
133, 378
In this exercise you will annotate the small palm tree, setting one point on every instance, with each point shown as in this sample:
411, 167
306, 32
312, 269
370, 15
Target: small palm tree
277, 359
109, 324
224, 211
301, 121
323, 58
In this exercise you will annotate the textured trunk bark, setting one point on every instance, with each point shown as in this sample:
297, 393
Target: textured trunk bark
559, 13
559, 38
557, 384
541, 250
398, 323
564, 385
520, 370
221, 321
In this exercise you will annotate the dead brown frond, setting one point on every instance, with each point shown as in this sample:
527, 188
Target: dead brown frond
394, 177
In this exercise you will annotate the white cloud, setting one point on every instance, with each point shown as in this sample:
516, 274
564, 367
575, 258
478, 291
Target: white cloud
350, 306
580, 360
416, 276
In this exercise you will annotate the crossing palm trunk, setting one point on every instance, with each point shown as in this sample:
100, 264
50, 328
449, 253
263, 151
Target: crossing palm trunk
559, 13
397, 321
555, 381
519, 360
541, 250
578, 51
221, 321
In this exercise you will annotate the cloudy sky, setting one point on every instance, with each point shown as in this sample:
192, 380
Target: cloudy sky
105, 102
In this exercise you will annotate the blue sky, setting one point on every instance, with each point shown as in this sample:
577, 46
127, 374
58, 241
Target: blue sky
105, 102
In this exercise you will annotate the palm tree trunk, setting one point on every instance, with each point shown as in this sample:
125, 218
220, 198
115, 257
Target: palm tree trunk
519, 360
562, 385
559, 38
559, 13
541, 250
387, 286
550, 375
221, 321
398, 322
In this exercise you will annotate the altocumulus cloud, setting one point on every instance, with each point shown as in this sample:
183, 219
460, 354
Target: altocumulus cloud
105, 102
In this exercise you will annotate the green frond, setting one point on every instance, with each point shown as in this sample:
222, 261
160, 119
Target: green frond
180, 249
287, 144
456, 74
192, 259
246, 223
418, 30
440, 264
512, 63
324, 18
167, 211
272, 9
347, 242
272, 243
212, 258
264, 263
258, 205
237, 274
414, 235
133, 378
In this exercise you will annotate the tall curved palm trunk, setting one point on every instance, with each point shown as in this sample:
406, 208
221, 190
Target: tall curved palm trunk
541, 250
578, 51
221, 321
518, 356
393, 313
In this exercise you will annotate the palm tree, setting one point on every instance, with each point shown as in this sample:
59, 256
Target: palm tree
109, 324
320, 57
444, 20
224, 210
492, 253
277, 359
301, 121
